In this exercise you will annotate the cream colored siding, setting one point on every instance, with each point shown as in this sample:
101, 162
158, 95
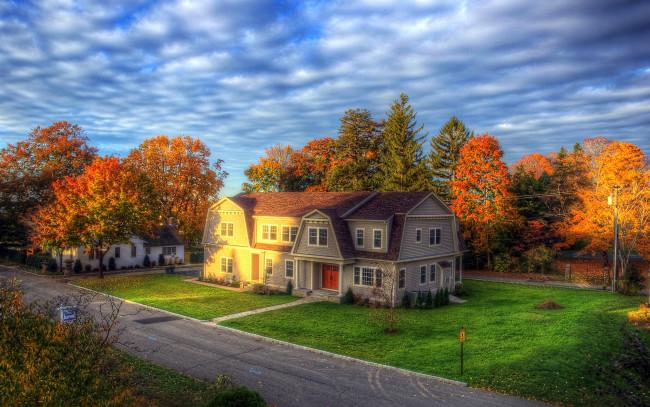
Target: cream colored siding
277, 222
369, 235
429, 207
226, 212
412, 249
303, 246
241, 262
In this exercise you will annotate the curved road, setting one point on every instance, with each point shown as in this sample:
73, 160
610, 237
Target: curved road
285, 375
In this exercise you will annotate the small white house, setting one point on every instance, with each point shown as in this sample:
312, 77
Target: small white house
167, 242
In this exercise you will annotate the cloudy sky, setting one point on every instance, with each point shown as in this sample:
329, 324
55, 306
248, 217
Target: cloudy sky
243, 75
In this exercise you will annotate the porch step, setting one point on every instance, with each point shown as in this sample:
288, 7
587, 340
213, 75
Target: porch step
322, 295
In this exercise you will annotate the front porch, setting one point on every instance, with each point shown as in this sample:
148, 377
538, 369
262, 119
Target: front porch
319, 278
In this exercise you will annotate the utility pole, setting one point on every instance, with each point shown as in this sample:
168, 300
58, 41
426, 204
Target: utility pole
615, 203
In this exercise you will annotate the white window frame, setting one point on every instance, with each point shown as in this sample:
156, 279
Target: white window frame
169, 250
268, 266
293, 268
374, 239
266, 235
362, 237
117, 252
292, 232
401, 279
437, 237
227, 266
318, 237
361, 275
436, 268
227, 229
418, 235
426, 269
286, 229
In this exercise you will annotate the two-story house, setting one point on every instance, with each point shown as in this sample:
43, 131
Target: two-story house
325, 242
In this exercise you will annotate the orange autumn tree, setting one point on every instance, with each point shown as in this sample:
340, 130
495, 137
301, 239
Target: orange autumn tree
186, 183
533, 164
273, 173
311, 165
29, 167
105, 206
480, 194
615, 164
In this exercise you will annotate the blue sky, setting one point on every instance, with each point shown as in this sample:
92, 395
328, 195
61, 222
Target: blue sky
244, 75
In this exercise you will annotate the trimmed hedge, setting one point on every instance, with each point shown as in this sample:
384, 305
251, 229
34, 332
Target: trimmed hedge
196, 256
17, 255
36, 260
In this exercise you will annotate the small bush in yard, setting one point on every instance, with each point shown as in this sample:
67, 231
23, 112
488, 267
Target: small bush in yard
406, 300
348, 298
438, 300
77, 268
240, 396
502, 262
460, 290
418, 300
289, 288
429, 303
161, 260
445, 297
147, 261
632, 280
111, 264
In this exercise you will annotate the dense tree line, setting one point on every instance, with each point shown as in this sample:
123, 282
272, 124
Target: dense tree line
538, 205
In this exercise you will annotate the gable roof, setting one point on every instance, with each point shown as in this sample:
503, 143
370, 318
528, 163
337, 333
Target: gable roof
166, 235
386, 204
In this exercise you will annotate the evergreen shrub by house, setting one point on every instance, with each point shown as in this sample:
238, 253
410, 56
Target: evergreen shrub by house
429, 303
438, 299
161, 259
146, 262
77, 268
348, 298
111, 263
196, 256
406, 300
445, 297
289, 288
418, 300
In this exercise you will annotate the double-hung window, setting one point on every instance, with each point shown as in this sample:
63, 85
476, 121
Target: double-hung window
360, 237
288, 268
317, 236
169, 250
423, 274
435, 236
432, 272
367, 276
227, 229
418, 235
269, 266
133, 251
226, 265
269, 232
401, 279
289, 233
377, 239
117, 252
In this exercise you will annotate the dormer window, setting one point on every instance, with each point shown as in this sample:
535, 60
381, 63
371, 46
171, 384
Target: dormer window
377, 239
360, 237
317, 236
289, 233
269, 232
227, 229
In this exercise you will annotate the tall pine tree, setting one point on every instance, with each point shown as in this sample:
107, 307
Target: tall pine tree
403, 167
356, 153
444, 155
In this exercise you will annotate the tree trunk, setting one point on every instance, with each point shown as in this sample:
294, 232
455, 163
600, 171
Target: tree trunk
61, 262
605, 258
101, 263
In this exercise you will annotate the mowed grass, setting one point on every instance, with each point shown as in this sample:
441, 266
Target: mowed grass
510, 346
171, 293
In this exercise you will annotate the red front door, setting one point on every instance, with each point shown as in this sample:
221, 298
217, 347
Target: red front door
331, 276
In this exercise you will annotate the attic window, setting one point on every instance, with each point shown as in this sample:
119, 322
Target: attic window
269, 232
227, 229
317, 237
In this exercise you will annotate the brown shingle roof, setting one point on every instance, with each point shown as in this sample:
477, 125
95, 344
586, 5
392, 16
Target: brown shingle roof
386, 204
166, 235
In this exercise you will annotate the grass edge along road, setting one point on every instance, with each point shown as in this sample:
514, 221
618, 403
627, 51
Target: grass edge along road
510, 347
171, 293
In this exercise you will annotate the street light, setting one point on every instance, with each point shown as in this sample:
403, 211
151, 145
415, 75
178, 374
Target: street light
614, 201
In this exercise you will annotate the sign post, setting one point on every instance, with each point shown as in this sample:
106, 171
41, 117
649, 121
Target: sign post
462, 342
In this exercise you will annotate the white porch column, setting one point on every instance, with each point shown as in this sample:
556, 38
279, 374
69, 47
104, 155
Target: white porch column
341, 279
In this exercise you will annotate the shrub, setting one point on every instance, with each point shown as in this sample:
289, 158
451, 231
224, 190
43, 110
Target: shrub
632, 280
153, 264
37, 260
460, 290
289, 288
429, 303
240, 396
406, 300
161, 259
438, 300
502, 263
418, 300
146, 262
348, 298
111, 263
539, 259
77, 268
445, 297
88, 268
196, 256
235, 283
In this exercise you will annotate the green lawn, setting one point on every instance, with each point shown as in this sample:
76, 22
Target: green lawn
511, 347
171, 293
